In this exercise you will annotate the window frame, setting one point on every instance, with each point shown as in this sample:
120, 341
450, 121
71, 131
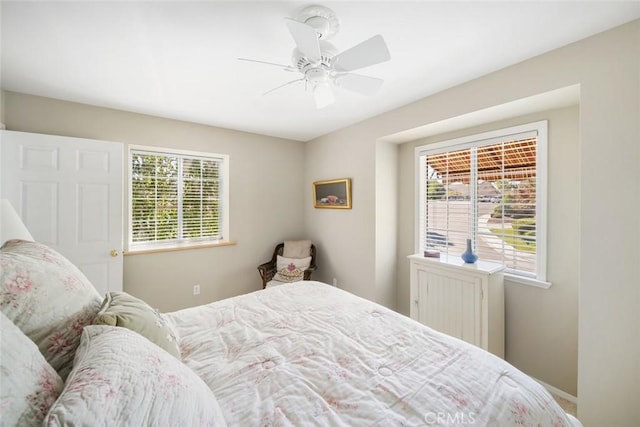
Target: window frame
133, 247
540, 130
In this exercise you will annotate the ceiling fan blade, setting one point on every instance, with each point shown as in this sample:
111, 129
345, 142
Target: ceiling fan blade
306, 39
364, 85
284, 67
283, 85
323, 95
369, 52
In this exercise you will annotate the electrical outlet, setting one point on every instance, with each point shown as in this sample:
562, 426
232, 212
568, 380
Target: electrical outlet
196, 289
335, 282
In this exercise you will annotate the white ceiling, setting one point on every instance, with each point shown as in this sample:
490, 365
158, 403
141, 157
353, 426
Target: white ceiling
178, 59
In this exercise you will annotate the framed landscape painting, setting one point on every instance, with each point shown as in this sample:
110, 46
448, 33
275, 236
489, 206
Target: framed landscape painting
333, 194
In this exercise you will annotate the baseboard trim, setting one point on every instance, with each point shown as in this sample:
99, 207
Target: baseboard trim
558, 392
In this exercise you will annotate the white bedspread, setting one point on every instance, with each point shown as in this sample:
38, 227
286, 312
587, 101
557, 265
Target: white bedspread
309, 354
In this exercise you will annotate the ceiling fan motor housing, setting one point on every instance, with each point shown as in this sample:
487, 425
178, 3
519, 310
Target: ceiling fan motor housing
302, 63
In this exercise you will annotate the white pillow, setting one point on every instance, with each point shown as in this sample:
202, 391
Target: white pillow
291, 269
296, 248
28, 384
48, 298
121, 378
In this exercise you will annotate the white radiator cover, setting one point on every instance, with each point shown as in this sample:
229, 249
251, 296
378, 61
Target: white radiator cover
462, 300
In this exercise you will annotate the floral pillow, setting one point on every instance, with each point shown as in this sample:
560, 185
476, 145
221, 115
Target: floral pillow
122, 309
48, 298
28, 384
121, 378
291, 269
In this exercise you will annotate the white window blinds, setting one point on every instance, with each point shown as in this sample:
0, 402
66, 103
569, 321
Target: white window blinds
486, 189
174, 197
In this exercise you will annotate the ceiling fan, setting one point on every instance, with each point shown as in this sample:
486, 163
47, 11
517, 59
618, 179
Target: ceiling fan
320, 63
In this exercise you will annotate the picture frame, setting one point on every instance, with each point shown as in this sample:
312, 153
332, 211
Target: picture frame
332, 194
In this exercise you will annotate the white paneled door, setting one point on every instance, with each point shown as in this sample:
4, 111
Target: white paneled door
68, 192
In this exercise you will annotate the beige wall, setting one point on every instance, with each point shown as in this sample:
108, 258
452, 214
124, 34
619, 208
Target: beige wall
1, 109
607, 68
386, 222
535, 318
265, 196
345, 238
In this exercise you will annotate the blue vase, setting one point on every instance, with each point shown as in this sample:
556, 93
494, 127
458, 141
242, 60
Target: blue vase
468, 256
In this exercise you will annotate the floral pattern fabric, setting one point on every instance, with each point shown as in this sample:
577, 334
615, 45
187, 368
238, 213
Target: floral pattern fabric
48, 298
28, 384
311, 354
121, 378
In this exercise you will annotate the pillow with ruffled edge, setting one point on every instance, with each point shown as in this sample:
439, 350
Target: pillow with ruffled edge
291, 269
127, 311
29, 384
120, 378
48, 298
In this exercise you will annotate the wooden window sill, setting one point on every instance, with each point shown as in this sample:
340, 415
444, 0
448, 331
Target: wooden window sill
178, 247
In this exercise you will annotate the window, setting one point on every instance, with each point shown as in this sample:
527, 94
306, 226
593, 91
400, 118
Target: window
176, 197
489, 188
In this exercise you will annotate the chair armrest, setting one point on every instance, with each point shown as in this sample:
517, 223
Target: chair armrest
267, 271
308, 271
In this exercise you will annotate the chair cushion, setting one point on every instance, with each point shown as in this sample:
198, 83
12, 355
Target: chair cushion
274, 283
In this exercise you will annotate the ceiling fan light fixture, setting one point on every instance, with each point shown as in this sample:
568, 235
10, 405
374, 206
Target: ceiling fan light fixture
323, 95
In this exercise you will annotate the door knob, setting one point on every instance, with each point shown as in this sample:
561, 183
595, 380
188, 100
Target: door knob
114, 253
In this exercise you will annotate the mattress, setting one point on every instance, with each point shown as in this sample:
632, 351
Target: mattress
310, 354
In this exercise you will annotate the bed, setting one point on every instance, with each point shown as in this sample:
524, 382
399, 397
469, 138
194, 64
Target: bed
304, 353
